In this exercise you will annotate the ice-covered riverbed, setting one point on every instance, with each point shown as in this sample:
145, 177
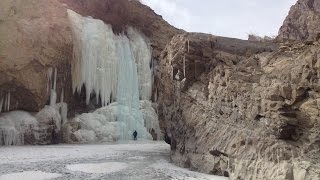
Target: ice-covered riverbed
124, 161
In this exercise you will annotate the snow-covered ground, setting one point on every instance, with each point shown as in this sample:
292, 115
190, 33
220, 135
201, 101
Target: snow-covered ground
131, 160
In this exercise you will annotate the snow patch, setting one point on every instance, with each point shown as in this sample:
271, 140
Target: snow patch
105, 168
30, 175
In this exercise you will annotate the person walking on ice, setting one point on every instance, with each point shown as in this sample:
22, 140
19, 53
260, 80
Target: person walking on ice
135, 134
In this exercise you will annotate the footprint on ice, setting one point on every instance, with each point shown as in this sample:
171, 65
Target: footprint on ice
29, 175
98, 168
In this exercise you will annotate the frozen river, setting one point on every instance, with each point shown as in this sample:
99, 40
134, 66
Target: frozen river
139, 160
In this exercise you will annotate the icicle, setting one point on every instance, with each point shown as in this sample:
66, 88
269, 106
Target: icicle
1, 104
53, 93
62, 95
55, 79
49, 78
53, 97
63, 112
8, 103
5, 102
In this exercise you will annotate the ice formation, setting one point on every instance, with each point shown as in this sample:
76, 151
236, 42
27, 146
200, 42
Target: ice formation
5, 102
16, 127
49, 116
19, 127
55, 111
104, 125
95, 58
150, 118
117, 69
53, 86
142, 55
128, 110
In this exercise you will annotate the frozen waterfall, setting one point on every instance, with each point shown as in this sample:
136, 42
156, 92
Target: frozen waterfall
117, 69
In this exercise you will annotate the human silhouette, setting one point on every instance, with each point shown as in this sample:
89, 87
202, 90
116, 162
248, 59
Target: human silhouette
135, 134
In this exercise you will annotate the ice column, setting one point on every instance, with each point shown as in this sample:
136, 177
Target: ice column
142, 56
128, 111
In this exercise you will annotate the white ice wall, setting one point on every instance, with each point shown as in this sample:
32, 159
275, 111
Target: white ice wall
95, 58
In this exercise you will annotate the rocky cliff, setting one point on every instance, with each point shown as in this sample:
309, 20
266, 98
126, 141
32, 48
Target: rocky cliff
303, 21
241, 109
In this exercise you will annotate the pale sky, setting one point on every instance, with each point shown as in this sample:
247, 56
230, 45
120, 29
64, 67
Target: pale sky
230, 18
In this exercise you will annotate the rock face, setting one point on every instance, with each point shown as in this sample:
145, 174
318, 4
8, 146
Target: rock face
303, 22
34, 36
241, 109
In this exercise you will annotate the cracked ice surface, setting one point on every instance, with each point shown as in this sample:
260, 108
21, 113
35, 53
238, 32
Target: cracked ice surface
129, 160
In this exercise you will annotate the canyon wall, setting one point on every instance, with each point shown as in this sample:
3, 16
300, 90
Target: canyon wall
241, 109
